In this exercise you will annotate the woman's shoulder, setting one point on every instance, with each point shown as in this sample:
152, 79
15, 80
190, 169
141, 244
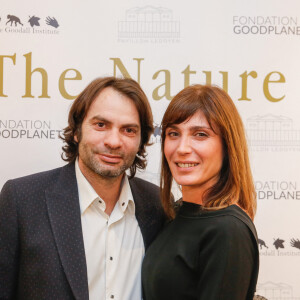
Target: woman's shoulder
233, 222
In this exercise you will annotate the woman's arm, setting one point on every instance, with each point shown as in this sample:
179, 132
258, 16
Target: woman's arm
228, 262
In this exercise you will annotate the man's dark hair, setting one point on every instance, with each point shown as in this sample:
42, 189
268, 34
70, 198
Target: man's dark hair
125, 86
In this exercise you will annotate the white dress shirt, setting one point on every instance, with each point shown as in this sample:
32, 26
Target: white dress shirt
114, 246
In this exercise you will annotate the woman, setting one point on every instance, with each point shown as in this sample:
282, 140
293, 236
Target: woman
209, 249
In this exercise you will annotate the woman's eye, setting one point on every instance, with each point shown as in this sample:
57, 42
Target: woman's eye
201, 134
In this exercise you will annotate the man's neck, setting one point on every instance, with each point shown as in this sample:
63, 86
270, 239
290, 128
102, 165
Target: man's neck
108, 189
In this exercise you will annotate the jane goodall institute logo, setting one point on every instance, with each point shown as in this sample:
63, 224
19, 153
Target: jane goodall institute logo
279, 247
30, 24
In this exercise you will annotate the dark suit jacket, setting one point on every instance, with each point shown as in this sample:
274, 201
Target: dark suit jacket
41, 244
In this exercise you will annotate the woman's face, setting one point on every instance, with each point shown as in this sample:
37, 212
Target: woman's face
194, 153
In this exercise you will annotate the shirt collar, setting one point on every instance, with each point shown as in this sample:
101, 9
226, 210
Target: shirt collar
87, 195
126, 198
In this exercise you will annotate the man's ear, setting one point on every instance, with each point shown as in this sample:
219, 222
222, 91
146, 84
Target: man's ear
75, 138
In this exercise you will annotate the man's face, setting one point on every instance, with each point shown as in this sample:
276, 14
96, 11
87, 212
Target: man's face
110, 135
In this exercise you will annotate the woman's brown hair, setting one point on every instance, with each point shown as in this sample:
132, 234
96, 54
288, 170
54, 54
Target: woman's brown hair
125, 86
235, 184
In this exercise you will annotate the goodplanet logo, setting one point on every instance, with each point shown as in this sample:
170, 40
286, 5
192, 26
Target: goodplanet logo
261, 25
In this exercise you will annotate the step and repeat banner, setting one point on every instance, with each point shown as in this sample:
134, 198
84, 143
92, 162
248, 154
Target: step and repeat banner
50, 51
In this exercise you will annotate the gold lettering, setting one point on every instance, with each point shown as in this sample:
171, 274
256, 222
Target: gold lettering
61, 83
244, 77
208, 76
118, 64
13, 58
28, 79
266, 86
186, 72
224, 80
166, 84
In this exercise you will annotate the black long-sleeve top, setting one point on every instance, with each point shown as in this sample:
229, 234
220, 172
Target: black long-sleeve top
203, 255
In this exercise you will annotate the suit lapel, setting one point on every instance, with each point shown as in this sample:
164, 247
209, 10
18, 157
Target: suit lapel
147, 212
64, 214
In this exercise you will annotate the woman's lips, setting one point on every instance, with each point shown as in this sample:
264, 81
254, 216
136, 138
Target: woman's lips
186, 165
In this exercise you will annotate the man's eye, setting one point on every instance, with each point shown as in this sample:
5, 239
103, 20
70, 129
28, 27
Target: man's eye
172, 133
130, 130
100, 124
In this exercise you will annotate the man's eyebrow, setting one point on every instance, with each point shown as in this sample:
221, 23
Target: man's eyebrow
101, 119
131, 125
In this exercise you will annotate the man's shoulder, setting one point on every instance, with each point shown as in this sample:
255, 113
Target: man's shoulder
144, 186
39, 179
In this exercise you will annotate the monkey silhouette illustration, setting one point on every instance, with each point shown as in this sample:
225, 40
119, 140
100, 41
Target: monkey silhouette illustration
261, 243
52, 22
13, 19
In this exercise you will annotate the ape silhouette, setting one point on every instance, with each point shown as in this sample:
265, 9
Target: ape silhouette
12, 19
262, 243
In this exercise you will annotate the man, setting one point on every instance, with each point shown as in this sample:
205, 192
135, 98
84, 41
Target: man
80, 231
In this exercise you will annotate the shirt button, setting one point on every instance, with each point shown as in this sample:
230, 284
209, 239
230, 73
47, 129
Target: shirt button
112, 296
100, 201
123, 203
111, 258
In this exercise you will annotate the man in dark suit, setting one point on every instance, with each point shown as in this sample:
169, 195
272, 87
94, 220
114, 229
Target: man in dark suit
80, 231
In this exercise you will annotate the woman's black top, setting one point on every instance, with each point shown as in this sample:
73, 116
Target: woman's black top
204, 255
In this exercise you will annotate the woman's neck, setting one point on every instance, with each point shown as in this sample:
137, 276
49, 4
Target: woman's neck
192, 194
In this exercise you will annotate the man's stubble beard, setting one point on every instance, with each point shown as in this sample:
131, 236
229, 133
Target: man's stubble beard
88, 157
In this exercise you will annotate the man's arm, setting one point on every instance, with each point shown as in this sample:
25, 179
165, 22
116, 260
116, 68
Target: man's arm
8, 243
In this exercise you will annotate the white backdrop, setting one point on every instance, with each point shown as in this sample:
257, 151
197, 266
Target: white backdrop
251, 48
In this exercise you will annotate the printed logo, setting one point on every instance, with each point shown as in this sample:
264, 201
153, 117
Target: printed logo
275, 291
262, 244
13, 19
28, 129
277, 190
30, 25
52, 22
278, 245
149, 24
272, 133
295, 243
265, 25
34, 21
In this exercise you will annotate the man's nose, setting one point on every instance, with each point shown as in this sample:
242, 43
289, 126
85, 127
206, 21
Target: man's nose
113, 139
